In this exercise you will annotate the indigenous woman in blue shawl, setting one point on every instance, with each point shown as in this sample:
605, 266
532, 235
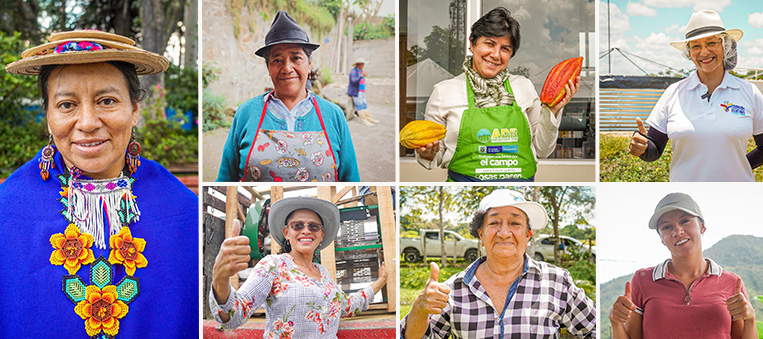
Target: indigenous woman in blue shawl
97, 241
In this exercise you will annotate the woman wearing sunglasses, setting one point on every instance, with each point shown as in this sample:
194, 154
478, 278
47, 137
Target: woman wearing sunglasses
299, 295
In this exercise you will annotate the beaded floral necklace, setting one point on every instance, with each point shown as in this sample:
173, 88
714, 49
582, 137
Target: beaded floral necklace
86, 203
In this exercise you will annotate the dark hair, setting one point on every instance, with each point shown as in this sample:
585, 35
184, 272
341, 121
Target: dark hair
479, 218
497, 23
286, 246
127, 69
307, 51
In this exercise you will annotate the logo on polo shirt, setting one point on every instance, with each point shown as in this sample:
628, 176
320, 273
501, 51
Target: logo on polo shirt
733, 109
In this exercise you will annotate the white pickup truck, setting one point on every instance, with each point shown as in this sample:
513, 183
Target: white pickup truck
454, 244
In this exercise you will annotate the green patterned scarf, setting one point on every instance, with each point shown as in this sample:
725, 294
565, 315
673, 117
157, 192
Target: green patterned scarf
488, 92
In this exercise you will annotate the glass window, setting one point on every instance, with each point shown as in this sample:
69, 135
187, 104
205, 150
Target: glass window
553, 31
432, 45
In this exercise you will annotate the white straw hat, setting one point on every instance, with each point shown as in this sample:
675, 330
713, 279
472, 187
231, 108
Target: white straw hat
704, 24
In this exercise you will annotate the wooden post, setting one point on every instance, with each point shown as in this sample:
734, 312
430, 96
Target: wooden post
328, 258
389, 242
455, 249
276, 193
231, 211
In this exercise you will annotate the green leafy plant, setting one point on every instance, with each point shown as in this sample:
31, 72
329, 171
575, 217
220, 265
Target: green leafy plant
369, 31
23, 134
215, 112
162, 139
182, 88
617, 164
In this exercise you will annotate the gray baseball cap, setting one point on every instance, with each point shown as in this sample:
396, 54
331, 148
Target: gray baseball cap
674, 201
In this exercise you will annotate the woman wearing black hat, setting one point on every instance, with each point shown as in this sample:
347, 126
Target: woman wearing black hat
709, 116
299, 296
288, 134
688, 295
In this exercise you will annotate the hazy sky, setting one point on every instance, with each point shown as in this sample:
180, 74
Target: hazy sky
624, 241
646, 27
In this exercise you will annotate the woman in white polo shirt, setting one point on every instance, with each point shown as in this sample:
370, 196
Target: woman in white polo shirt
709, 116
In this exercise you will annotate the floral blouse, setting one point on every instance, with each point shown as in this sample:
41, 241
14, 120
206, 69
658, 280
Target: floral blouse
294, 302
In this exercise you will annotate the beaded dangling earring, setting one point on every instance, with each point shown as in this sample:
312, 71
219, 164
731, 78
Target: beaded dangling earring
133, 154
46, 161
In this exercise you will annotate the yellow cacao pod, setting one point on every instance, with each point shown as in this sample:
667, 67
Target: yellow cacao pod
419, 133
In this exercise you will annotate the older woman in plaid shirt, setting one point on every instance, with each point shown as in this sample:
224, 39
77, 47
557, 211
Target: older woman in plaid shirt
505, 294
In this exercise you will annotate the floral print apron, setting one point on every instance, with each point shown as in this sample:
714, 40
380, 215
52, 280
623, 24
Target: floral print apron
277, 155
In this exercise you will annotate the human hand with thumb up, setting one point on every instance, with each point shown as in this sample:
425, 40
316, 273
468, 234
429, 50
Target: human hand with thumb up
431, 300
434, 297
232, 258
738, 305
622, 308
639, 141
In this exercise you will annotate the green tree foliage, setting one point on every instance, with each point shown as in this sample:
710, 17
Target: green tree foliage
23, 135
371, 31
182, 88
162, 139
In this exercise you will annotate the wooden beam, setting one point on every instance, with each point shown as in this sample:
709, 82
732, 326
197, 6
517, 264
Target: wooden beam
276, 193
328, 257
231, 203
341, 194
254, 193
389, 242
241, 213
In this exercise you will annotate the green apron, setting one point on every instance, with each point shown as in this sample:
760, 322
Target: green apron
494, 143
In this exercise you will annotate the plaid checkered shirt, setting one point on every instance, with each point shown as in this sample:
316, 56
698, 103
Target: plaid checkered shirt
540, 302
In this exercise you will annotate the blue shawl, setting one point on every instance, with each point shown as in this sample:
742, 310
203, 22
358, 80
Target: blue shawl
31, 287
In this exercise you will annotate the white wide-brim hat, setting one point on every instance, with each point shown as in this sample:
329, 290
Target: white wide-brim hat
84, 47
359, 60
505, 197
281, 209
704, 24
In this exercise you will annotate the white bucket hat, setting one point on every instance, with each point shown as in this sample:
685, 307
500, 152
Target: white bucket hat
504, 197
704, 24
281, 209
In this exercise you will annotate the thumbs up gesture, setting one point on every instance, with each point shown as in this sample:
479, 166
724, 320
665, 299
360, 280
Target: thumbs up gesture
622, 308
232, 258
434, 297
738, 305
639, 140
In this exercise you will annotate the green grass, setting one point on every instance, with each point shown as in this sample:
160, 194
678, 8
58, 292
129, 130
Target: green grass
407, 295
617, 164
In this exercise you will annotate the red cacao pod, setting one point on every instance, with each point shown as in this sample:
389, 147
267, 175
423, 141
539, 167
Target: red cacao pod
553, 89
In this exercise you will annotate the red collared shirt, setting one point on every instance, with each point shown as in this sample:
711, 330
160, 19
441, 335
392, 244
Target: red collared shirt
673, 310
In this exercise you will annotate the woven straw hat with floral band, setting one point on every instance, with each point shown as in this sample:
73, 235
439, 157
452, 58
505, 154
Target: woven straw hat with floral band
84, 47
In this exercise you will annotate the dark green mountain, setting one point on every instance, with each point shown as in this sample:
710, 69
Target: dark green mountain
741, 254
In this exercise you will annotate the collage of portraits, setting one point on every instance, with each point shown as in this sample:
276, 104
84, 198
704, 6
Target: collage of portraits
423, 168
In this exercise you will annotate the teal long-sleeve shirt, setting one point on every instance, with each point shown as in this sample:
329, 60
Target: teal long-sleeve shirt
244, 128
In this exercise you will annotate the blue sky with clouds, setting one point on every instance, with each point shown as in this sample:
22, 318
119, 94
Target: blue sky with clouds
646, 27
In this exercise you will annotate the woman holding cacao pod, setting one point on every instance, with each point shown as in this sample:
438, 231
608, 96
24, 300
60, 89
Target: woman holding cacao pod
709, 116
288, 134
496, 125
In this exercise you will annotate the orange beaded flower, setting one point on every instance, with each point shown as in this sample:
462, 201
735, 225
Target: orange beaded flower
127, 251
101, 310
71, 249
